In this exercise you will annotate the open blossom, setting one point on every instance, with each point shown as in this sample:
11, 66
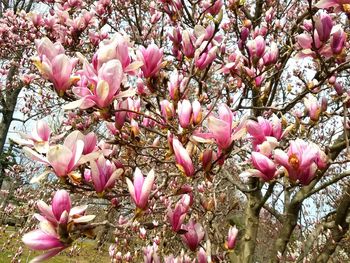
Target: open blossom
104, 174
265, 168
223, 129
99, 87
54, 65
301, 161
53, 232
38, 138
62, 158
116, 48
182, 158
106, 85
338, 5
60, 211
152, 60
177, 216
141, 188
45, 238
265, 133
231, 238
194, 234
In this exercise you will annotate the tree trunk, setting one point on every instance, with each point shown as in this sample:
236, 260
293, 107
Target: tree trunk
8, 103
246, 252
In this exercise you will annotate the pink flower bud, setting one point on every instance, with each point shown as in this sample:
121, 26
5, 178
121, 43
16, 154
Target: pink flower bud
141, 188
231, 238
323, 25
183, 159
184, 111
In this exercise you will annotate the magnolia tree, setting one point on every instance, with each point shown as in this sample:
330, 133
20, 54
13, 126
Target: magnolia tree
216, 131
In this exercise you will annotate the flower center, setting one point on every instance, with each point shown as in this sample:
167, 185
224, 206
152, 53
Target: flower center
294, 161
346, 8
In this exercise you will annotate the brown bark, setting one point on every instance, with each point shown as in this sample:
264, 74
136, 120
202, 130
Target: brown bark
246, 251
8, 97
8, 103
338, 230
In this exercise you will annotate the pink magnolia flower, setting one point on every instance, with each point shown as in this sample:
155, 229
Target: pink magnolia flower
184, 111
99, 88
152, 60
256, 47
54, 65
265, 168
61, 212
174, 85
121, 113
265, 133
300, 161
48, 49
194, 234
338, 40
177, 216
106, 86
223, 129
104, 174
141, 188
116, 48
196, 112
55, 223
45, 238
167, 109
90, 143
323, 25
62, 158
339, 5
213, 7
187, 44
231, 238
202, 256
314, 108
150, 254
182, 158
203, 59
39, 137
176, 38
271, 55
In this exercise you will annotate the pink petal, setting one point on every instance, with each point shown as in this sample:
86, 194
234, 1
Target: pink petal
61, 202
59, 157
146, 189
39, 240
